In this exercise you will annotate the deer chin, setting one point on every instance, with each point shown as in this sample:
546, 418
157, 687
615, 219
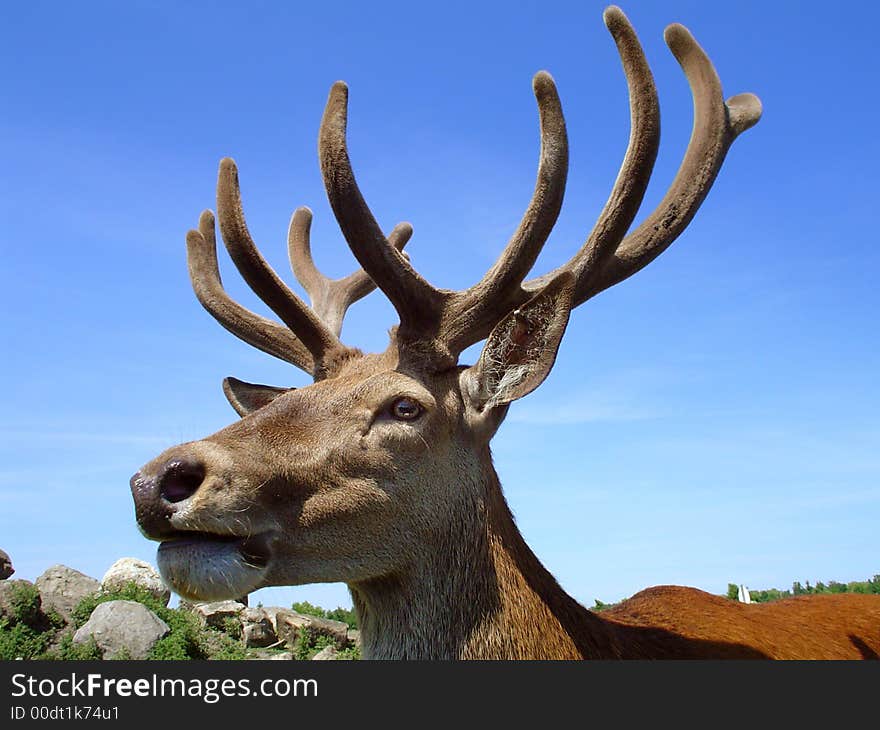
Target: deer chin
206, 567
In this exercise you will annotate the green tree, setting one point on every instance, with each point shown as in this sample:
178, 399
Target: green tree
345, 615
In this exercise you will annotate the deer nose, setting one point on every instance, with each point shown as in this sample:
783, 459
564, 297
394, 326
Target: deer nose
156, 494
179, 479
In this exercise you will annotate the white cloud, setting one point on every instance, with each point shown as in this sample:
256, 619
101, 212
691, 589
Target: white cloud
597, 405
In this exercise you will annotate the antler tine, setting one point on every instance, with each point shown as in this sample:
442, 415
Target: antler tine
313, 334
716, 125
417, 302
638, 162
473, 312
262, 333
330, 298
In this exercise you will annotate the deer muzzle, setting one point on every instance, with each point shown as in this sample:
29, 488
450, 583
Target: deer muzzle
203, 554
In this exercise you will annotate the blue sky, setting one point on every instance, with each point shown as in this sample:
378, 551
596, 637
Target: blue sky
712, 419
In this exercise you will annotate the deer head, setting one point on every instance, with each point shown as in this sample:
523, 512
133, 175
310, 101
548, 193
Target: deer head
379, 473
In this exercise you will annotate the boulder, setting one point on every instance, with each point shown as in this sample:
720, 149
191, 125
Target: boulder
256, 628
216, 613
122, 628
289, 624
6, 568
139, 572
326, 654
62, 588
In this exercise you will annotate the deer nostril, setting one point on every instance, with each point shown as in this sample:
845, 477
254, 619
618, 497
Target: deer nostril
180, 478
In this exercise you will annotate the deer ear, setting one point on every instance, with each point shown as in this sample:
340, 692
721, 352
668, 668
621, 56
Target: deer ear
245, 397
521, 350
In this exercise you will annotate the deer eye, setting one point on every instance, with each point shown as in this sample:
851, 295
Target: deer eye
405, 409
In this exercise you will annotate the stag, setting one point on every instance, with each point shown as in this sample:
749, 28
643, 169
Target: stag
379, 473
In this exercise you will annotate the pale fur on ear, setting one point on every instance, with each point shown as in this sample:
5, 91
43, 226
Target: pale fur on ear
246, 397
521, 349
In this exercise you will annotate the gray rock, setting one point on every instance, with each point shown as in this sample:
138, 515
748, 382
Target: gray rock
256, 628
354, 637
6, 568
8, 589
326, 654
122, 628
272, 614
289, 624
142, 574
216, 613
62, 588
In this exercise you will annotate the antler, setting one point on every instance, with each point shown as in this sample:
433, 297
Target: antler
441, 322
331, 298
262, 333
716, 125
311, 338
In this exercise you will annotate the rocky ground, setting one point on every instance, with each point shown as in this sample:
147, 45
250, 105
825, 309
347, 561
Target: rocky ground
66, 614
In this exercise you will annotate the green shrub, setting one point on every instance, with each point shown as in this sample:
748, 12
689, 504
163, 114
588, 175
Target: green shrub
20, 641
223, 643
184, 640
26, 632
176, 646
24, 604
350, 654
231, 627
308, 643
224, 648
68, 651
128, 592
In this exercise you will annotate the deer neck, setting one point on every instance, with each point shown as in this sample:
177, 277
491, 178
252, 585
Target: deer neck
477, 592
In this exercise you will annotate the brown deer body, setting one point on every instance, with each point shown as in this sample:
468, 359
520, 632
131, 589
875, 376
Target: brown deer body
380, 475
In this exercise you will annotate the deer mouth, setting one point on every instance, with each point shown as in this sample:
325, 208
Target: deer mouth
211, 567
